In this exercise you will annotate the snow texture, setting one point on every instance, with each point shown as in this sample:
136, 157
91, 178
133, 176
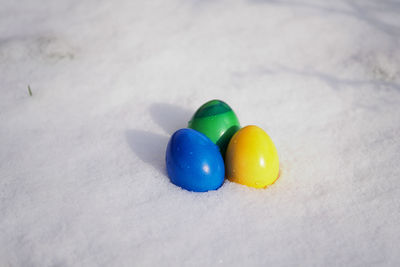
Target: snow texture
82, 171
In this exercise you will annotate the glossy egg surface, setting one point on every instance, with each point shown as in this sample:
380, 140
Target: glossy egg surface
194, 162
217, 121
251, 158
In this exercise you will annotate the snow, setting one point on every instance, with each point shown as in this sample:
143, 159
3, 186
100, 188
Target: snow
82, 171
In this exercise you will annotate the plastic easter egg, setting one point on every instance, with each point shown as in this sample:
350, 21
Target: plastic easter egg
217, 121
194, 162
251, 158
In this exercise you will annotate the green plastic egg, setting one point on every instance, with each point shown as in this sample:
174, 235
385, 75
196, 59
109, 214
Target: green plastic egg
217, 121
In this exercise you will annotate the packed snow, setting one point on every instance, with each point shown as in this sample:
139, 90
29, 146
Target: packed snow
82, 168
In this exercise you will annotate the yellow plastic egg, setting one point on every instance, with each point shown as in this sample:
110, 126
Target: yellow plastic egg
251, 158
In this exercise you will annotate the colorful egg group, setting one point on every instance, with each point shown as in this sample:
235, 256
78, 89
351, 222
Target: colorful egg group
194, 162
217, 121
195, 156
251, 158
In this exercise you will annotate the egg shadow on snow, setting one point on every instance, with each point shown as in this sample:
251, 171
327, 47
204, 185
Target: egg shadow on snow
149, 147
170, 117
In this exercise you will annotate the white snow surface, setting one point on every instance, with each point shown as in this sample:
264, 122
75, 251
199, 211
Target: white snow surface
82, 161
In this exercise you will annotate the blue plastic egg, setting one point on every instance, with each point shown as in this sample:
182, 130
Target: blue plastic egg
194, 161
